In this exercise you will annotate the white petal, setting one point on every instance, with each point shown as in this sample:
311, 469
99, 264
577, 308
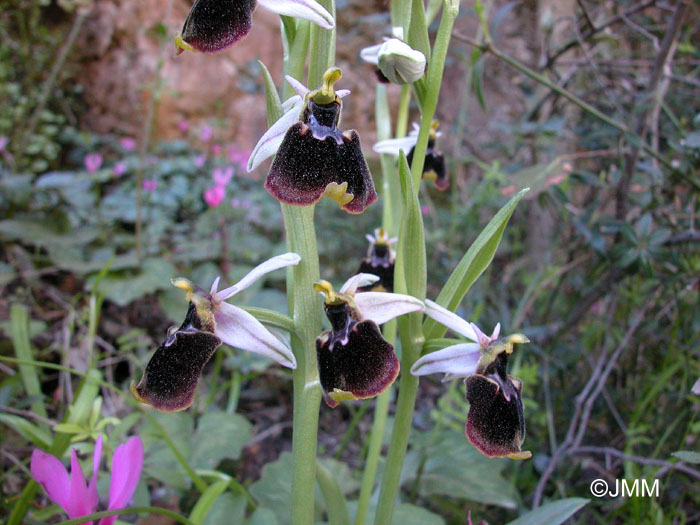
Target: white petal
371, 54
270, 142
370, 238
397, 32
341, 93
696, 388
458, 360
496, 332
449, 319
357, 281
381, 307
300, 88
239, 329
393, 146
306, 9
275, 263
214, 286
481, 337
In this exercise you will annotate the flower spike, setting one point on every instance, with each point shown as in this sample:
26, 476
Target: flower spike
354, 360
379, 261
214, 25
170, 379
495, 423
315, 158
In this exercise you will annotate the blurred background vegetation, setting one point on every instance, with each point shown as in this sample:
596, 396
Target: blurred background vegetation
600, 267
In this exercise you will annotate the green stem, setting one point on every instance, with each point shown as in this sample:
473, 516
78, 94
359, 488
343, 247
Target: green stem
234, 393
404, 107
434, 82
304, 303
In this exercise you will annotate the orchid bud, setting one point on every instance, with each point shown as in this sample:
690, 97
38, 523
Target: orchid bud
400, 63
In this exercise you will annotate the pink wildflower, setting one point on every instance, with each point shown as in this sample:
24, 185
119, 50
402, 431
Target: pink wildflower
150, 185
206, 133
127, 143
200, 160
183, 126
425, 209
216, 149
72, 493
238, 156
222, 176
93, 161
4, 141
215, 195
119, 168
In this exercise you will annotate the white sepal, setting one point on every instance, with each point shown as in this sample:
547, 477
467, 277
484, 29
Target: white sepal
305, 9
381, 307
449, 319
371, 54
358, 281
239, 329
272, 139
399, 62
394, 146
300, 88
274, 263
457, 360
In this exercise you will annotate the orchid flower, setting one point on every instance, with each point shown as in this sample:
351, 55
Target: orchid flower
213, 25
72, 493
495, 423
396, 60
434, 166
171, 376
313, 157
354, 360
379, 261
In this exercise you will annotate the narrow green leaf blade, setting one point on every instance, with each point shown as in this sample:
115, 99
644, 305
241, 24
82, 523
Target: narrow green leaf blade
418, 30
272, 98
412, 237
28, 430
206, 500
688, 456
19, 327
552, 513
475, 261
336, 503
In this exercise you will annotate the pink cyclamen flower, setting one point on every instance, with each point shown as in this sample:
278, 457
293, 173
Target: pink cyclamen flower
222, 176
215, 195
183, 126
206, 133
127, 143
244, 204
119, 168
93, 161
425, 209
238, 156
4, 141
216, 149
77, 497
150, 185
200, 160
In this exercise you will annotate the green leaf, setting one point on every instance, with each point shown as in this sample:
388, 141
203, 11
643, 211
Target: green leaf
552, 513
79, 411
475, 261
218, 436
407, 514
453, 468
68, 428
477, 77
336, 504
229, 508
19, 319
28, 430
272, 98
412, 237
274, 488
206, 500
154, 275
418, 30
688, 456
262, 516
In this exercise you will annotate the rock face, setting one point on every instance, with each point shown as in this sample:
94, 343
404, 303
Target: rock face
126, 55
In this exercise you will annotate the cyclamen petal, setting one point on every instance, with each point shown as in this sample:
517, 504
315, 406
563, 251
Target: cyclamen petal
304, 9
271, 140
381, 307
79, 503
127, 464
275, 263
52, 475
449, 319
239, 329
96, 455
458, 360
